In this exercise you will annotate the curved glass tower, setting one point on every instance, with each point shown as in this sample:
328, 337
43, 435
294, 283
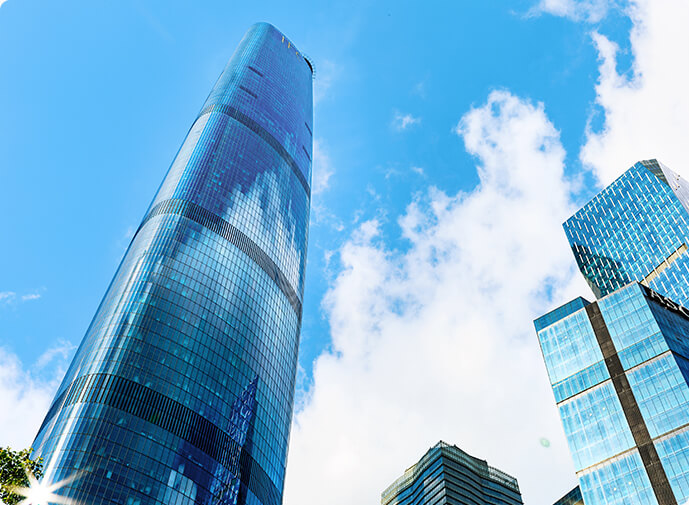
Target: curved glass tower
182, 389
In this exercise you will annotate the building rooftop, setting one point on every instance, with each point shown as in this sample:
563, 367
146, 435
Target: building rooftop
560, 313
478, 466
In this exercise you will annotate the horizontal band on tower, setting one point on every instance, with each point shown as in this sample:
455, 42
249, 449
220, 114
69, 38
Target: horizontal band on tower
164, 412
255, 127
232, 234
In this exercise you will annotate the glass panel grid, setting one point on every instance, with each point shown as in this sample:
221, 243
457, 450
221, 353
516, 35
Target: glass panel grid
198, 332
630, 228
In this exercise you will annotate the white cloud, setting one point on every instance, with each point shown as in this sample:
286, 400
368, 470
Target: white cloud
392, 172
62, 350
401, 122
25, 399
10, 297
322, 167
436, 342
589, 10
7, 296
420, 89
327, 73
646, 115
2, 2
323, 170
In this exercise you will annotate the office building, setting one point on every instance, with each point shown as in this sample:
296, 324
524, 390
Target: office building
446, 475
181, 391
618, 365
619, 369
636, 229
572, 498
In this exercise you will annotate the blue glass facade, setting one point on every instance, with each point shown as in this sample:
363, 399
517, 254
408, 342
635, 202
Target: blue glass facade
572, 498
181, 392
620, 374
446, 475
636, 229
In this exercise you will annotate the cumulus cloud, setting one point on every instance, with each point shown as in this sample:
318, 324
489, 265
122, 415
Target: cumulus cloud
587, 10
436, 341
25, 398
646, 113
401, 122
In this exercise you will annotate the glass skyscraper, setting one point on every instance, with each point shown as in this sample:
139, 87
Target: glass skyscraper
446, 475
619, 367
636, 229
181, 391
572, 498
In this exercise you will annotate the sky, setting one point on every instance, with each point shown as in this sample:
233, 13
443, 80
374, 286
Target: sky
452, 139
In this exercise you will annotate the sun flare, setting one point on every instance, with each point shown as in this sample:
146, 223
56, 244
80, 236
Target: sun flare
43, 493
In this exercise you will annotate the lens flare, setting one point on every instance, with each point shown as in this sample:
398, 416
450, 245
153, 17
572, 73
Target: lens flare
43, 493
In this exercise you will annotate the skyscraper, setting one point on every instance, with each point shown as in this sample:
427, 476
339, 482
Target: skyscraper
182, 389
619, 367
636, 229
446, 475
572, 498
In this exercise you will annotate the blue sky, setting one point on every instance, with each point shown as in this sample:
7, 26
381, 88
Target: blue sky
452, 139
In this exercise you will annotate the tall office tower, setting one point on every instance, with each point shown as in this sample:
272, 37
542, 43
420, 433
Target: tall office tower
446, 475
182, 389
572, 498
619, 369
636, 229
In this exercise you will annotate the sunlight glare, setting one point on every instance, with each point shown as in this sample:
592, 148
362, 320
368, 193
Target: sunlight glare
42, 493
